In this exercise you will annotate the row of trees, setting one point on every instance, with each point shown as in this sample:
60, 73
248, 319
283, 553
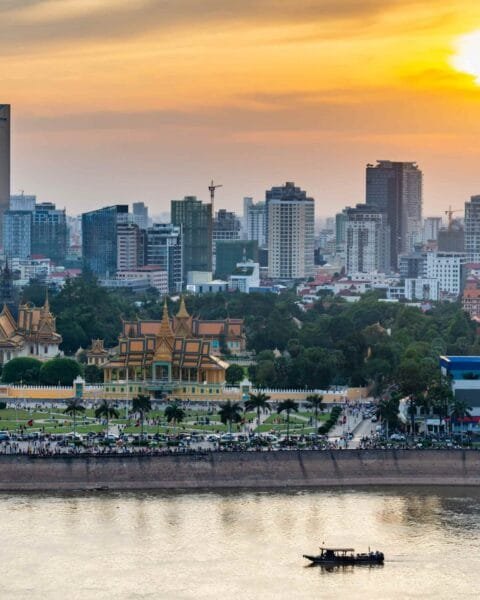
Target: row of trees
56, 371
230, 412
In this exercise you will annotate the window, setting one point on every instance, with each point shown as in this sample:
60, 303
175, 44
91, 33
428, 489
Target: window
45, 349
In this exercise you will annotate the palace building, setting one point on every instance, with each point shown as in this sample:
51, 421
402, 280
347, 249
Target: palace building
163, 357
32, 334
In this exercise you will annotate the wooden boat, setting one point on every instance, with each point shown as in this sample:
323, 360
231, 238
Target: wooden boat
345, 556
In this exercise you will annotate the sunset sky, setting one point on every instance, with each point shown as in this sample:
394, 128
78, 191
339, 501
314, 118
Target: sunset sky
130, 100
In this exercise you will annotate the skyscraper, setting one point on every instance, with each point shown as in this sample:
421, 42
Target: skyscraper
472, 229
165, 249
256, 223
140, 214
195, 219
396, 189
17, 233
99, 238
367, 240
4, 161
290, 232
49, 232
130, 246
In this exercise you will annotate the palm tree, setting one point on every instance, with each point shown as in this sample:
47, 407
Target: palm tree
74, 407
258, 402
230, 412
287, 406
141, 404
441, 397
315, 401
174, 413
106, 410
459, 410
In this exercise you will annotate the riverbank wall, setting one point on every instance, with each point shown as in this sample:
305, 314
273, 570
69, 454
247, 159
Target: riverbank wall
304, 469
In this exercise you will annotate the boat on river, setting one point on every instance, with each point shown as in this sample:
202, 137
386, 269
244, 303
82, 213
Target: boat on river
345, 556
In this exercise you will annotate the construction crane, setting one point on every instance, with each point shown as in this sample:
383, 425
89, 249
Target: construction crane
450, 213
211, 188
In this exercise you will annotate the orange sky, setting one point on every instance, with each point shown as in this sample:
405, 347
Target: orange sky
128, 100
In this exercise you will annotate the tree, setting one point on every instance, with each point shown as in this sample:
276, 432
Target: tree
230, 412
388, 410
413, 378
106, 410
315, 401
74, 407
441, 396
258, 402
23, 369
60, 371
234, 374
458, 411
287, 406
142, 405
174, 413
93, 374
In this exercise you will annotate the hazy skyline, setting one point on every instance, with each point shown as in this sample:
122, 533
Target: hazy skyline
117, 101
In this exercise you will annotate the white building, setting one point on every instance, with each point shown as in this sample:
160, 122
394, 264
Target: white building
367, 240
290, 232
422, 289
155, 275
447, 268
245, 276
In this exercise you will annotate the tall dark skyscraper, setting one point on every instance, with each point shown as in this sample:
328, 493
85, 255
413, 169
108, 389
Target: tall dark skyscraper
4, 161
99, 238
195, 219
396, 189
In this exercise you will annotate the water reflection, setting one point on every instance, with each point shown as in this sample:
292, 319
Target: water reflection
243, 544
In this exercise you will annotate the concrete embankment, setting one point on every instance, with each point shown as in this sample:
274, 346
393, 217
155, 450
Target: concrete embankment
242, 470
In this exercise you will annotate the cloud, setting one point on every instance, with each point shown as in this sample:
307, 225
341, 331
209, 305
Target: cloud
24, 23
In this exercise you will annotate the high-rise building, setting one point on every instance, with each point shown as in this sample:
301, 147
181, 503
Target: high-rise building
256, 223
99, 238
226, 226
290, 232
17, 234
431, 227
49, 232
4, 161
396, 189
231, 252
472, 229
130, 247
165, 249
140, 214
22, 202
367, 240
195, 219
448, 269
341, 231
414, 264
452, 238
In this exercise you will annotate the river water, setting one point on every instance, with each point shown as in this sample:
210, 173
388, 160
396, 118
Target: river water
244, 545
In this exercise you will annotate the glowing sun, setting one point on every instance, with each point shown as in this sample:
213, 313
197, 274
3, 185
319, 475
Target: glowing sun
467, 55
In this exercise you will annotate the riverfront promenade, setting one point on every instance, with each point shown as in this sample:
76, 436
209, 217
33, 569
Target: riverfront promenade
255, 470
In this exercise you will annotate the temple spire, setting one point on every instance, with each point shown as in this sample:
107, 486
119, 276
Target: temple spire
165, 327
182, 311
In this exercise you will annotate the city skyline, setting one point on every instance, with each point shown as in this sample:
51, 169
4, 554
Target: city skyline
244, 94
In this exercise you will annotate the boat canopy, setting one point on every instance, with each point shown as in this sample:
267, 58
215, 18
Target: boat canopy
338, 549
